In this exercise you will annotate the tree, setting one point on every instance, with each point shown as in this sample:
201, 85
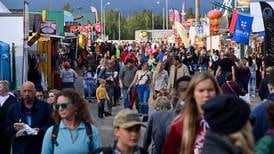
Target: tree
67, 7
189, 14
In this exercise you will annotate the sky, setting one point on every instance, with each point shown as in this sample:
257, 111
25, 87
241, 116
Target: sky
125, 6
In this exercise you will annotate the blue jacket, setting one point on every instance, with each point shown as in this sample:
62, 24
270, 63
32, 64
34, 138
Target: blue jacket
40, 118
71, 142
259, 113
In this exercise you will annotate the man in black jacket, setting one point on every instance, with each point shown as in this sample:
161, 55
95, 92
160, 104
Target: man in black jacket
6, 100
32, 112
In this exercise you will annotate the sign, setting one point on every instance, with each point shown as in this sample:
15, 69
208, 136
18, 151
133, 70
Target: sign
268, 18
233, 21
242, 29
48, 27
243, 3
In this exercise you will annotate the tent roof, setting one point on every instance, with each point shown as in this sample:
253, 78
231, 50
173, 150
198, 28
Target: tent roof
3, 8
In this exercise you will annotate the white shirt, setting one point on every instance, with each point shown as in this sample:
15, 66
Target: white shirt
3, 99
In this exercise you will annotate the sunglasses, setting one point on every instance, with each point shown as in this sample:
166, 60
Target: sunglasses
62, 106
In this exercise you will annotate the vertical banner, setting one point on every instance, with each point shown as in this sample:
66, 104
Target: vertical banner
243, 28
233, 21
26, 35
177, 16
88, 35
268, 18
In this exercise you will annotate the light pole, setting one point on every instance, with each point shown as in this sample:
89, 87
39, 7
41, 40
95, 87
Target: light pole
108, 3
119, 21
152, 20
158, 3
101, 20
166, 14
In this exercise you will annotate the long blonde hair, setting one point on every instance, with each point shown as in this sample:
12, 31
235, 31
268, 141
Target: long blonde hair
243, 139
190, 113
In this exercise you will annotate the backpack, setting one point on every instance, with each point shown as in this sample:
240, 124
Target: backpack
55, 131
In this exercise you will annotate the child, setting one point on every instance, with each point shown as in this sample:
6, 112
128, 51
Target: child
101, 96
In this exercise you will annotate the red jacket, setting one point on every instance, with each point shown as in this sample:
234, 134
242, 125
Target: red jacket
174, 138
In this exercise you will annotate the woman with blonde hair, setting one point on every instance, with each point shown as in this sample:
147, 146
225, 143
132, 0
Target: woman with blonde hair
187, 130
230, 129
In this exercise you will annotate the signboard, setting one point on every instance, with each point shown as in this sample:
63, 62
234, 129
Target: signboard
48, 27
243, 3
242, 29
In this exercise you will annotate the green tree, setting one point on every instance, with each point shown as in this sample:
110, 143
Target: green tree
67, 7
129, 24
189, 14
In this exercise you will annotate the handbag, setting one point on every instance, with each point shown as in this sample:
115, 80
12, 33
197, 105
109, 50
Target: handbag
231, 89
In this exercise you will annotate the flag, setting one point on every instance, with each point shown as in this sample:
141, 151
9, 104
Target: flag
233, 21
268, 18
26, 35
183, 11
177, 16
94, 10
182, 33
243, 28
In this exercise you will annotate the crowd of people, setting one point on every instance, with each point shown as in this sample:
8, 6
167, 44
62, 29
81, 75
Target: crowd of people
188, 100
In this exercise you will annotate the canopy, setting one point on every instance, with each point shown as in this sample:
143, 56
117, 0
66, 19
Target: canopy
3, 8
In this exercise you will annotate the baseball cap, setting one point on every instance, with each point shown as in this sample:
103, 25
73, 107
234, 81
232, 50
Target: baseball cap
126, 118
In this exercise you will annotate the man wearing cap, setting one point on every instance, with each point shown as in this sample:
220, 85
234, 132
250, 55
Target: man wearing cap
126, 76
127, 130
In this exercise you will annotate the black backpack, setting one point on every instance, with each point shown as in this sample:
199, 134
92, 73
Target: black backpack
55, 131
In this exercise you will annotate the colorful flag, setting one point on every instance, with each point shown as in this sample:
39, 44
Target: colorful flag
268, 18
183, 11
177, 16
233, 21
243, 28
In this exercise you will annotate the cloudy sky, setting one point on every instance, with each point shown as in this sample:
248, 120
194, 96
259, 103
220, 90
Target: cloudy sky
126, 6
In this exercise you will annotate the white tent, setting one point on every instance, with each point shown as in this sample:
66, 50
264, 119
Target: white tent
3, 8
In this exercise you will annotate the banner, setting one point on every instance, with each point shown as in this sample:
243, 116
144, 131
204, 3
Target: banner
233, 21
268, 18
243, 28
182, 32
177, 16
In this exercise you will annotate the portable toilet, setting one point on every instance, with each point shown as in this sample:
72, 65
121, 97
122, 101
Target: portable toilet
5, 69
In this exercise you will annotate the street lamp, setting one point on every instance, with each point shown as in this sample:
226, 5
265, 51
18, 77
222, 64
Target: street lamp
108, 3
158, 3
166, 14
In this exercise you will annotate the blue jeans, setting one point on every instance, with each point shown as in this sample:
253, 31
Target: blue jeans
143, 96
204, 67
90, 87
252, 85
195, 67
126, 97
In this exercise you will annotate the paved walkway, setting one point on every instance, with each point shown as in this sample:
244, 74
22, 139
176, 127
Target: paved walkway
105, 125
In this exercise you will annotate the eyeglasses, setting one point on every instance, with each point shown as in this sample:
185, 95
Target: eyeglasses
62, 106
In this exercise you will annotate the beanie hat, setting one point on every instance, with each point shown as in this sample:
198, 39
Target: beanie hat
226, 114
